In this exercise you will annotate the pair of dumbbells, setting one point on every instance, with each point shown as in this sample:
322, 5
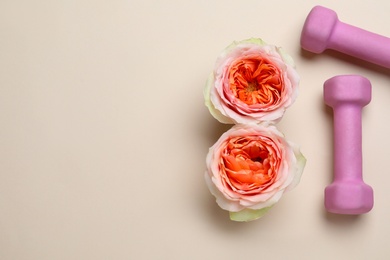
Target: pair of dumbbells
347, 95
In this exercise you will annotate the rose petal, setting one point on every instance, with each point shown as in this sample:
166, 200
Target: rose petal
214, 112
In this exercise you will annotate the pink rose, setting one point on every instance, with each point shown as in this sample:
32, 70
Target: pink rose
252, 82
250, 167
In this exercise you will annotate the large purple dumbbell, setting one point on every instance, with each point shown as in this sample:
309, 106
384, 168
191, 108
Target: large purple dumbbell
348, 194
322, 30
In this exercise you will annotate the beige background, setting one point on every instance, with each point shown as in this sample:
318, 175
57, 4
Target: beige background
103, 132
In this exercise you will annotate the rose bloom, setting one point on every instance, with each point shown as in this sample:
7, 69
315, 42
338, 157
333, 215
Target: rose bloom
250, 167
252, 82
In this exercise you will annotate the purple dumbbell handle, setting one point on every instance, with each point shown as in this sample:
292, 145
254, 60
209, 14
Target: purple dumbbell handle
322, 30
347, 132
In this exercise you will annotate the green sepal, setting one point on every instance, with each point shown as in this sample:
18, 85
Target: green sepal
246, 215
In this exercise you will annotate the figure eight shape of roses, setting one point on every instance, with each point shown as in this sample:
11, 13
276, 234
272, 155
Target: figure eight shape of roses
252, 82
250, 167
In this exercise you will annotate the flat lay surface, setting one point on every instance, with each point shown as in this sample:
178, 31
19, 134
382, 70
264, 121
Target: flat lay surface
104, 132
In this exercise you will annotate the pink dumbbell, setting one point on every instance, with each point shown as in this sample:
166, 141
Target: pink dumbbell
348, 194
322, 30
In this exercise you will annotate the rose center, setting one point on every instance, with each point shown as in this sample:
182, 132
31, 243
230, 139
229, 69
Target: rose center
252, 86
255, 81
257, 159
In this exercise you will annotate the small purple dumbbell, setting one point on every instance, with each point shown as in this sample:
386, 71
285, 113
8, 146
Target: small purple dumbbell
322, 30
348, 194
